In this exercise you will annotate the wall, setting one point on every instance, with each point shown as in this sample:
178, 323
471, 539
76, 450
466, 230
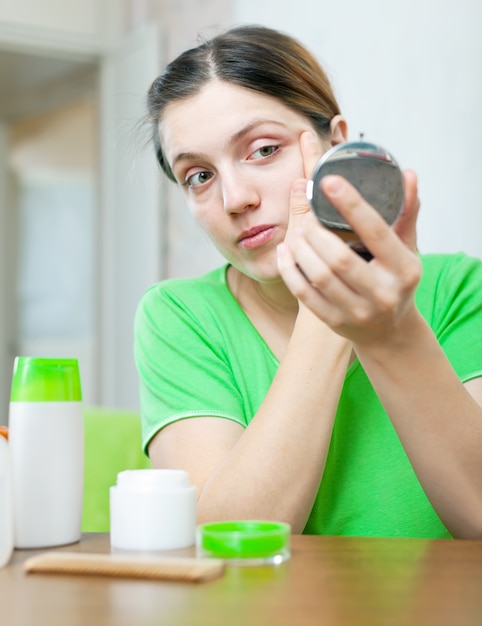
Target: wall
69, 15
407, 74
62, 24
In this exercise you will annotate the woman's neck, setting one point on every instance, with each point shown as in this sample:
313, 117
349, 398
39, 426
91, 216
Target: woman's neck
270, 307
270, 295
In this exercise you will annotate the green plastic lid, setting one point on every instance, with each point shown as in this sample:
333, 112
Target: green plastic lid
45, 380
254, 541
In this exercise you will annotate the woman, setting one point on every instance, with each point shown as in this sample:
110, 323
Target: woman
299, 382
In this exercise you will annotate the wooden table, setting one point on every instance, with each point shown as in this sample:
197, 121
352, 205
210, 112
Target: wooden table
329, 580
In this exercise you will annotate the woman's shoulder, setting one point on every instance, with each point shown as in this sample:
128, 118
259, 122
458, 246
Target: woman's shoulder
203, 298
456, 265
442, 261
448, 279
211, 282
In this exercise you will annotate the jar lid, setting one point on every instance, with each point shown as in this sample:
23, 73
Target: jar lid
150, 479
245, 542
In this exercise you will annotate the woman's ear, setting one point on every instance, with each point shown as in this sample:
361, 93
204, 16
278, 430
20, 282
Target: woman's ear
339, 130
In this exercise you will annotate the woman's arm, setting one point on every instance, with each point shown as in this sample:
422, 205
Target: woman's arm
438, 419
273, 468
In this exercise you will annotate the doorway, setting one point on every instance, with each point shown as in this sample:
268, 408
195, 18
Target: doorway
48, 112
95, 225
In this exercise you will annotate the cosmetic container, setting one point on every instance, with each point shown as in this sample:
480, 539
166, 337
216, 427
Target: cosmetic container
6, 511
244, 542
152, 509
46, 437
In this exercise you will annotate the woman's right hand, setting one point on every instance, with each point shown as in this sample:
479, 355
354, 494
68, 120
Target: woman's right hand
365, 302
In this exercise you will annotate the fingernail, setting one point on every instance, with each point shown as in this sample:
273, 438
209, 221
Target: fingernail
333, 185
299, 186
309, 136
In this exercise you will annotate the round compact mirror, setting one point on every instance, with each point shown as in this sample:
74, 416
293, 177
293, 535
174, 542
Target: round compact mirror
372, 171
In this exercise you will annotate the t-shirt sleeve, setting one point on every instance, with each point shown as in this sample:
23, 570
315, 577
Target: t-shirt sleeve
183, 367
456, 312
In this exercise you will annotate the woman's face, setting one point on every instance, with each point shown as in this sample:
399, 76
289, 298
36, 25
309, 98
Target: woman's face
235, 153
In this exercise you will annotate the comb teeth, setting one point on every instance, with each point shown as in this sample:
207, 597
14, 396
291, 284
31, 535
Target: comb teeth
162, 568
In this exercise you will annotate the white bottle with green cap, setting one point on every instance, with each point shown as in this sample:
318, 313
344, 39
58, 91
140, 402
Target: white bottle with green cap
46, 436
6, 514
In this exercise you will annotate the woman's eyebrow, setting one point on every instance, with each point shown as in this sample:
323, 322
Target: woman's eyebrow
201, 156
190, 156
252, 126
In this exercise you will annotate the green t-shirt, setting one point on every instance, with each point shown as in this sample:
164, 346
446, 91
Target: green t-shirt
199, 355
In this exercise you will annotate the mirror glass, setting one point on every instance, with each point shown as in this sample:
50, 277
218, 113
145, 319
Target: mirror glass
371, 170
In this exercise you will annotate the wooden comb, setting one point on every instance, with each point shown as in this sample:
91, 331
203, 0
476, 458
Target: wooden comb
162, 568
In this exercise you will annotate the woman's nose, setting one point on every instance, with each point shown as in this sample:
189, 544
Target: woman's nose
239, 193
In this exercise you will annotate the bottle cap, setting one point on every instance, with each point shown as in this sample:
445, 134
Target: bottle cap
45, 380
244, 542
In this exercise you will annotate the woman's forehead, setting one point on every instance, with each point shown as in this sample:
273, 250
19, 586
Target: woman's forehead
220, 110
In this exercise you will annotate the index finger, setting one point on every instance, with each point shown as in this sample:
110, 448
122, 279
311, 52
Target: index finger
366, 222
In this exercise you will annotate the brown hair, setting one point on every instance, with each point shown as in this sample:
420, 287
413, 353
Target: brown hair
254, 57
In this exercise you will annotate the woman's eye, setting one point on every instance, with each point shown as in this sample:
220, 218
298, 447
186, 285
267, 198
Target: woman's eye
197, 179
263, 152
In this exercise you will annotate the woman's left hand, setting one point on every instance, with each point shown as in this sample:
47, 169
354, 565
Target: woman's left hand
365, 302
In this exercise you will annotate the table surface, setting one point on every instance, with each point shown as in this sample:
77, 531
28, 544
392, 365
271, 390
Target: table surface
328, 580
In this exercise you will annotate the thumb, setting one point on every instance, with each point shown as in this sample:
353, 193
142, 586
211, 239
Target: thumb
299, 207
299, 204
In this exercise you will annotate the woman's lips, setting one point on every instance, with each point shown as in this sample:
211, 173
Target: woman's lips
256, 237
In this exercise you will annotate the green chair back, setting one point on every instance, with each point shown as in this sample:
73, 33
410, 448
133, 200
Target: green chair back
112, 444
